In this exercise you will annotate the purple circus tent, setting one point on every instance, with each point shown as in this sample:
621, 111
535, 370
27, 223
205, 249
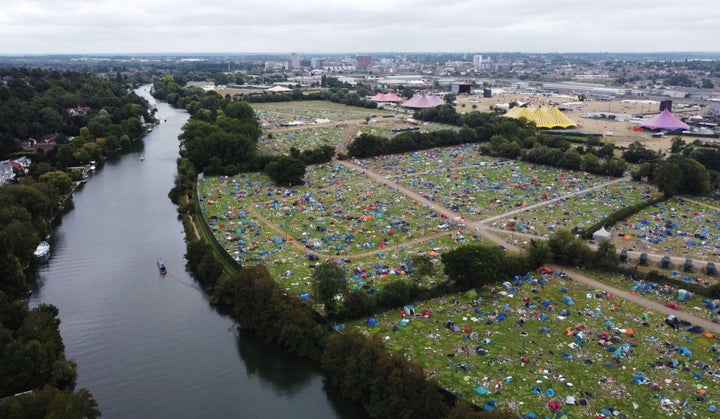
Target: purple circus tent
422, 101
665, 121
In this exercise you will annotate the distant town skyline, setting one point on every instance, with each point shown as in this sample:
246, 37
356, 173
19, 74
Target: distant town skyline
371, 26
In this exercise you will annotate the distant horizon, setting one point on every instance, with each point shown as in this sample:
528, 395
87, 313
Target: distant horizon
307, 53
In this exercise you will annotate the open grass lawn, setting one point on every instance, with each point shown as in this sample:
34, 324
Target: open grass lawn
697, 305
676, 227
302, 139
518, 346
470, 184
581, 210
339, 215
511, 347
390, 127
309, 111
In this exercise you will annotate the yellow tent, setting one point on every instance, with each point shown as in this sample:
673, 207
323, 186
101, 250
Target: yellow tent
543, 117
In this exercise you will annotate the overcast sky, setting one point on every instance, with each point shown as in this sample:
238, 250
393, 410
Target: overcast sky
325, 26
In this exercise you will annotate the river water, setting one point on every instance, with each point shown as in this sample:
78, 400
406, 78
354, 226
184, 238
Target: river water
151, 346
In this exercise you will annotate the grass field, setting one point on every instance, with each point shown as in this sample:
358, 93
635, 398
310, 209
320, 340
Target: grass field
371, 230
517, 346
280, 113
679, 226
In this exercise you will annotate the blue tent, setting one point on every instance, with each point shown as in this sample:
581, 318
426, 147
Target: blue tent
372, 322
481, 390
683, 350
639, 378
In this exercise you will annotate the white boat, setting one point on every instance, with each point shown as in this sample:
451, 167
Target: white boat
161, 266
42, 249
142, 158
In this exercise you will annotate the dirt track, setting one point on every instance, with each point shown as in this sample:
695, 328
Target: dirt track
479, 226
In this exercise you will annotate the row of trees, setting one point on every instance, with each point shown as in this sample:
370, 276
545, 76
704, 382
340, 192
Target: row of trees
32, 357
25, 212
89, 118
262, 306
692, 169
385, 384
35, 103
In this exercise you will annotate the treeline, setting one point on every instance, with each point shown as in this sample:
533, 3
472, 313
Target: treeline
617, 216
32, 360
222, 137
88, 117
500, 137
565, 248
174, 91
691, 169
385, 384
25, 213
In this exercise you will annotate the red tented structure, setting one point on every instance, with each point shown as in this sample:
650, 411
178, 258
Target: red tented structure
665, 121
423, 101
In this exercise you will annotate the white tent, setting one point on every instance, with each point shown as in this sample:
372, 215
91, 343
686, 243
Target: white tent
602, 234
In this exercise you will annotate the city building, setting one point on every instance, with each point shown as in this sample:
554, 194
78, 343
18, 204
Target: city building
363, 62
295, 60
477, 62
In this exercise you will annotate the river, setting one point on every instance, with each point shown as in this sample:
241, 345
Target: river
151, 346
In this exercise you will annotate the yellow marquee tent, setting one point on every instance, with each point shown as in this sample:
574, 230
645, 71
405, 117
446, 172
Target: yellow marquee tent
543, 117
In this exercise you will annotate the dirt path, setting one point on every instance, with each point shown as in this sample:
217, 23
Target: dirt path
479, 226
550, 201
616, 292
689, 199
351, 130
488, 233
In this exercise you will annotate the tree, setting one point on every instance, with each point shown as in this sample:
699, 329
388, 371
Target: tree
50, 402
329, 283
477, 265
285, 170
538, 253
677, 145
60, 181
422, 265
606, 256
367, 145
638, 153
568, 249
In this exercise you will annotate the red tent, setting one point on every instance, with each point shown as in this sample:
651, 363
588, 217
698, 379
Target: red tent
672, 305
386, 97
665, 121
554, 405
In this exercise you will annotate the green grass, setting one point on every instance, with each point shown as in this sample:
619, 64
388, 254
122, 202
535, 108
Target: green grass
690, 217
428, 342
309, 111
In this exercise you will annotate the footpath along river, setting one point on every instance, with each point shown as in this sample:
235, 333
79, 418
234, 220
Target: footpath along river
151, 346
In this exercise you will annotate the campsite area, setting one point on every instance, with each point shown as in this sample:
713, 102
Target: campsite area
620, 132
536, 344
